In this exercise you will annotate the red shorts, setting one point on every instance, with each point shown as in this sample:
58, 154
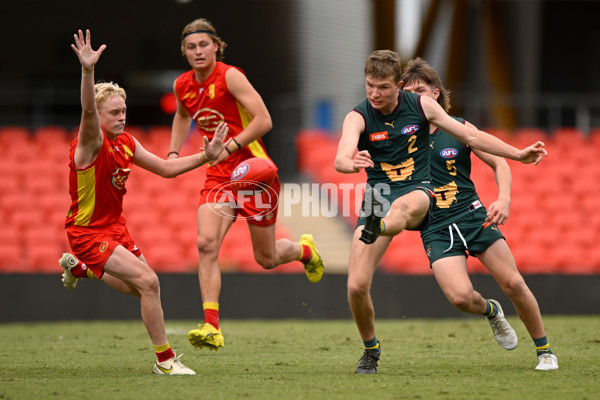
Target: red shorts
93, 246
258, 208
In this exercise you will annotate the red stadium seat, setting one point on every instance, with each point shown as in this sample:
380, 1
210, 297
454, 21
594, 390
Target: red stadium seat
12, 259
137, 132
500, 133
594, 138
528, 136
49, 135
43, 257
405, 255
306, 143
167, 258
567, 136
9, 135
17, 145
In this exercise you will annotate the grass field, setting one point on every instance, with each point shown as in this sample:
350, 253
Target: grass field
299, 359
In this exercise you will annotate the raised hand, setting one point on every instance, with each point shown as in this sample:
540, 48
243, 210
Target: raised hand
213, 149
88, 57
534, 153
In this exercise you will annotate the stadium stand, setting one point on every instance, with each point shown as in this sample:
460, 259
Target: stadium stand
554, 218
554, 212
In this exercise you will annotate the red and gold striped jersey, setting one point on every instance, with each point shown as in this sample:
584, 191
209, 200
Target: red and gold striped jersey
210, 103
97, 191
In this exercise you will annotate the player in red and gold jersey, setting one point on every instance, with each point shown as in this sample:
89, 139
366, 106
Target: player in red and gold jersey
100, 162
210, 93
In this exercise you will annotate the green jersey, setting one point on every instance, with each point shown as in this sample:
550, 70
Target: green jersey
455, 194
397, 142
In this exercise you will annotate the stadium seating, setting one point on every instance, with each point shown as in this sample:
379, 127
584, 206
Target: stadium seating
554, 212
553, 223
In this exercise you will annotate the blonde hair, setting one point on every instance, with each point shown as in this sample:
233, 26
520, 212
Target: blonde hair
106, 90
202, 25
384, 64
418, 69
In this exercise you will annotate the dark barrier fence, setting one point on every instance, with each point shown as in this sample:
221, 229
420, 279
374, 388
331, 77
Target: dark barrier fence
253, 296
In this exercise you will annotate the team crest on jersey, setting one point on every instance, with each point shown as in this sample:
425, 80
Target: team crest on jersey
377, 136
208, 119
410, 129
120, 177
449, 152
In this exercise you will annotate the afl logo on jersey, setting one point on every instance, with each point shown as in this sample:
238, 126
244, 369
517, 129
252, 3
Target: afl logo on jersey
449, 153
410, 129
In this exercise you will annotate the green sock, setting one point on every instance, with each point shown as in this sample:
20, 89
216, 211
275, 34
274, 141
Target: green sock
490, 310
542, 346
371, 344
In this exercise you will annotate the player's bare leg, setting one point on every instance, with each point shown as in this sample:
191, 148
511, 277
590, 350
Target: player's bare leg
406, 212
452, 276
501, 263
363, 262
122, 264
214, 221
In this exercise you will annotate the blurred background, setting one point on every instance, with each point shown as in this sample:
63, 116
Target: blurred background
522, 70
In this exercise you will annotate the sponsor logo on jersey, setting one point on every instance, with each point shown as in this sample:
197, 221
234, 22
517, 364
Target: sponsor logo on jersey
190, 95
208, 119
410, 129
449, 152
377, 136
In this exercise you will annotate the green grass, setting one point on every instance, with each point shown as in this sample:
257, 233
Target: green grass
298, 359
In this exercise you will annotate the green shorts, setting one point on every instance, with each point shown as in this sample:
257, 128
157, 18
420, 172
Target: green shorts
466, 236
389, 193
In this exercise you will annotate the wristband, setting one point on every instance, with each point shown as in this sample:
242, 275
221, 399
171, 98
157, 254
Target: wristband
229, 151
173, 152
86, 71
238, 143
203, 155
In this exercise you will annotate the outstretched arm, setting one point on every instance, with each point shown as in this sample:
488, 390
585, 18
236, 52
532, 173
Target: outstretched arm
478, 139
177, 166
346, 161
90, 134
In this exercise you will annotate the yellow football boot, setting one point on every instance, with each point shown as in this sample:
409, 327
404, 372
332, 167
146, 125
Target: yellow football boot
206, 336
314, 267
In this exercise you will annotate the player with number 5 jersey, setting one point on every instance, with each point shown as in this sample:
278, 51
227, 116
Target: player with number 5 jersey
390, 129
463, 227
